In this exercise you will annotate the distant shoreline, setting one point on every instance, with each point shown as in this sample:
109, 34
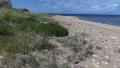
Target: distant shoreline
75, 18
69, 14
109, 26
104, 19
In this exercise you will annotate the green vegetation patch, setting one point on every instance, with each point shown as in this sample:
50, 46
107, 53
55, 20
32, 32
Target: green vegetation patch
6, 30
51, 29
19, 36
25, 21
15, 44
13, 22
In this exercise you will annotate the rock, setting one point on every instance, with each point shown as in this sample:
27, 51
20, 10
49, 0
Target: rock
1, 57
113, 37
5, 3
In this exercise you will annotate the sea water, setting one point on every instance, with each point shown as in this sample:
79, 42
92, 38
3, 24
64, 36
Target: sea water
105, 19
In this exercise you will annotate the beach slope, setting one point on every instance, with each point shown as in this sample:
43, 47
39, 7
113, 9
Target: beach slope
106, 40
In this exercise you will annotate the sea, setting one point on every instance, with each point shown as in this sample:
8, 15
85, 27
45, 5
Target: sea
105, 19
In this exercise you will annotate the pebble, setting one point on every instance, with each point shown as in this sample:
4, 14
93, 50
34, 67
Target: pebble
113, 37
93, 60
107, 57
104, 62
1, 57
95, 55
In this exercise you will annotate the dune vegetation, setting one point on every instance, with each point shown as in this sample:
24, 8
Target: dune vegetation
29, 40
18, 28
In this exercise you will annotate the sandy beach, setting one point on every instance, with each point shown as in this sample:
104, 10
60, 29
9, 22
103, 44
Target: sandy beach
106, 40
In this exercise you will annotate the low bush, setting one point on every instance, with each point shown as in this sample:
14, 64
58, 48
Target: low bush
51, 29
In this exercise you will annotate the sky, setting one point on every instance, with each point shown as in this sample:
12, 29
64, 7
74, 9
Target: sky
70, 6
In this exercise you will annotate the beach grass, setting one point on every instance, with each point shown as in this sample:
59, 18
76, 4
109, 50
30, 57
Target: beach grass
15, 25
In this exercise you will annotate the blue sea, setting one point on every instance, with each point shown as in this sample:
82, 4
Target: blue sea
105, 19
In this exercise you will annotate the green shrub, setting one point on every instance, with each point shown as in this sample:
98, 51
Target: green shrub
51, 29
48, 28
6, 30
26, 26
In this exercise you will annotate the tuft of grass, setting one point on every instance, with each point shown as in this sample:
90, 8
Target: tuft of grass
14, 48
43, 43
20, 61
14, 45
6, 30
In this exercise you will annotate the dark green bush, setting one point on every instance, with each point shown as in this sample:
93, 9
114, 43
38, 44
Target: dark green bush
51, 29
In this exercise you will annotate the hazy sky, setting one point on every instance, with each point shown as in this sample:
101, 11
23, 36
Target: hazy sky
70, 6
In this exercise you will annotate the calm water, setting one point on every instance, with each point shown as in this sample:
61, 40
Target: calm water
106, 19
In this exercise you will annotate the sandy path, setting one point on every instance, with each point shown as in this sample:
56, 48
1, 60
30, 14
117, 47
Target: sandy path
106, 39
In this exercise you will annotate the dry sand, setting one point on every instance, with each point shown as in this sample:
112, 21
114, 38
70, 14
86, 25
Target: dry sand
106, 40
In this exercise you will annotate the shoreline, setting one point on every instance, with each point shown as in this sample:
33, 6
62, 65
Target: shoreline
108, 26
104, 37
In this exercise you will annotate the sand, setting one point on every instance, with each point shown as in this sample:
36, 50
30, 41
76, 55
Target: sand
106, 40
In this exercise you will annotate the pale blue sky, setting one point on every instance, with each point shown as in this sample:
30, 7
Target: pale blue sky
70, 6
